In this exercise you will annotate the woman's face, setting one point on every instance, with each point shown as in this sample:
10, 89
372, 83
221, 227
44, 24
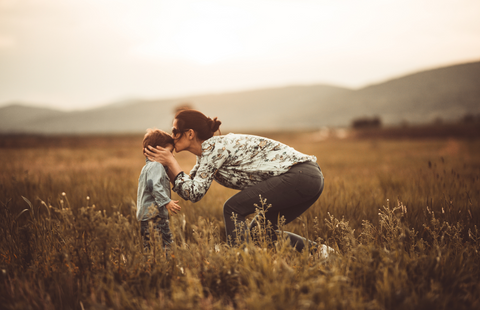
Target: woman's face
169, 147
181, 140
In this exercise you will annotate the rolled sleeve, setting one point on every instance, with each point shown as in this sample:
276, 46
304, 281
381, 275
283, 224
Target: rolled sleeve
192, 189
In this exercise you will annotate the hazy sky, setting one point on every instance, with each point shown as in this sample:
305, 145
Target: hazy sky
76, 54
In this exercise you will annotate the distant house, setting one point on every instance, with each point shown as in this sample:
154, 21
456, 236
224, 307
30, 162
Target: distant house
367, 122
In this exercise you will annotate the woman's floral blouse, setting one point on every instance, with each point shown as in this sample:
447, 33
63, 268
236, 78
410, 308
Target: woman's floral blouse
236, 161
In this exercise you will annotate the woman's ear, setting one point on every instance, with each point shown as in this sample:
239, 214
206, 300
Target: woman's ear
191, 134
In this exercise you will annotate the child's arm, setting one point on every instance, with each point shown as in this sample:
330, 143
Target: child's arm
172, 206
160, 189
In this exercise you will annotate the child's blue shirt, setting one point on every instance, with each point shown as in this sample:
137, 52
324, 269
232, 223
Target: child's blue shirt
153, 190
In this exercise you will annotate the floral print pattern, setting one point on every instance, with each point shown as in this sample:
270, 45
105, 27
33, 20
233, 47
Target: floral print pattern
236, 161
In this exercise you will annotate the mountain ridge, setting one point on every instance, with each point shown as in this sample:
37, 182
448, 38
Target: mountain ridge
446, 92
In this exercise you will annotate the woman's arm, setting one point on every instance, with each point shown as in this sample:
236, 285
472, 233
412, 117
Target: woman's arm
194, 186
166, 158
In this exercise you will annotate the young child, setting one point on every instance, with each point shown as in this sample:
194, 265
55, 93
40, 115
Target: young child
153, 195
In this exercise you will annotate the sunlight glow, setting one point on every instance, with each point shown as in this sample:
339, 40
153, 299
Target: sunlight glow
201, 33
206, 43
89, 51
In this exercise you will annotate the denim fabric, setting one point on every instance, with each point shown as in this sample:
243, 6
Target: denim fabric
153, 191
290, 194
162, 227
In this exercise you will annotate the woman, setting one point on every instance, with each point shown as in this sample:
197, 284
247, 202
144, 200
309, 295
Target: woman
289, 180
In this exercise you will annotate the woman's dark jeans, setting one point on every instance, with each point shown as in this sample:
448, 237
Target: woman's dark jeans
289, 195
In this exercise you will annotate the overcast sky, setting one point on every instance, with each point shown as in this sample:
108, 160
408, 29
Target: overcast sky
77, 54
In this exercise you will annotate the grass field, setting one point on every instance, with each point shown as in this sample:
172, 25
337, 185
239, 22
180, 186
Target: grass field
403, 216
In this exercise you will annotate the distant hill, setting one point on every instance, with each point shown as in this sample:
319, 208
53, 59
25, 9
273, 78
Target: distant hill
265, 109
18, 115
448, 93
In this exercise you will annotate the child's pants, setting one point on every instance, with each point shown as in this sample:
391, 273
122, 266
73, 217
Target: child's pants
162, 227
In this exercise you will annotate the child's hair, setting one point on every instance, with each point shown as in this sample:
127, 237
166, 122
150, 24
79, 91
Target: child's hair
157, 137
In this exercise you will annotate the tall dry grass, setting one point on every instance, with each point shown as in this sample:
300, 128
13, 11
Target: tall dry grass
403, 217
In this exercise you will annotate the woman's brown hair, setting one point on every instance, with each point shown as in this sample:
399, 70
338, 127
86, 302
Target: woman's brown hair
204, 126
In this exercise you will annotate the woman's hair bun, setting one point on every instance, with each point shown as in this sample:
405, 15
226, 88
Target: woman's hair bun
199, 122
214, 124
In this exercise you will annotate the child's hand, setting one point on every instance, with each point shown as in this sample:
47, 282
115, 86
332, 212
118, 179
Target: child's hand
172, 206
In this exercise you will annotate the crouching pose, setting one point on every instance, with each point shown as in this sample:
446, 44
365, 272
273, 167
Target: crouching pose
290, 180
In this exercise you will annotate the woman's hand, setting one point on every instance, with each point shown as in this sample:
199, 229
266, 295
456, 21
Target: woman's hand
172, 206
159, 154
166, 158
